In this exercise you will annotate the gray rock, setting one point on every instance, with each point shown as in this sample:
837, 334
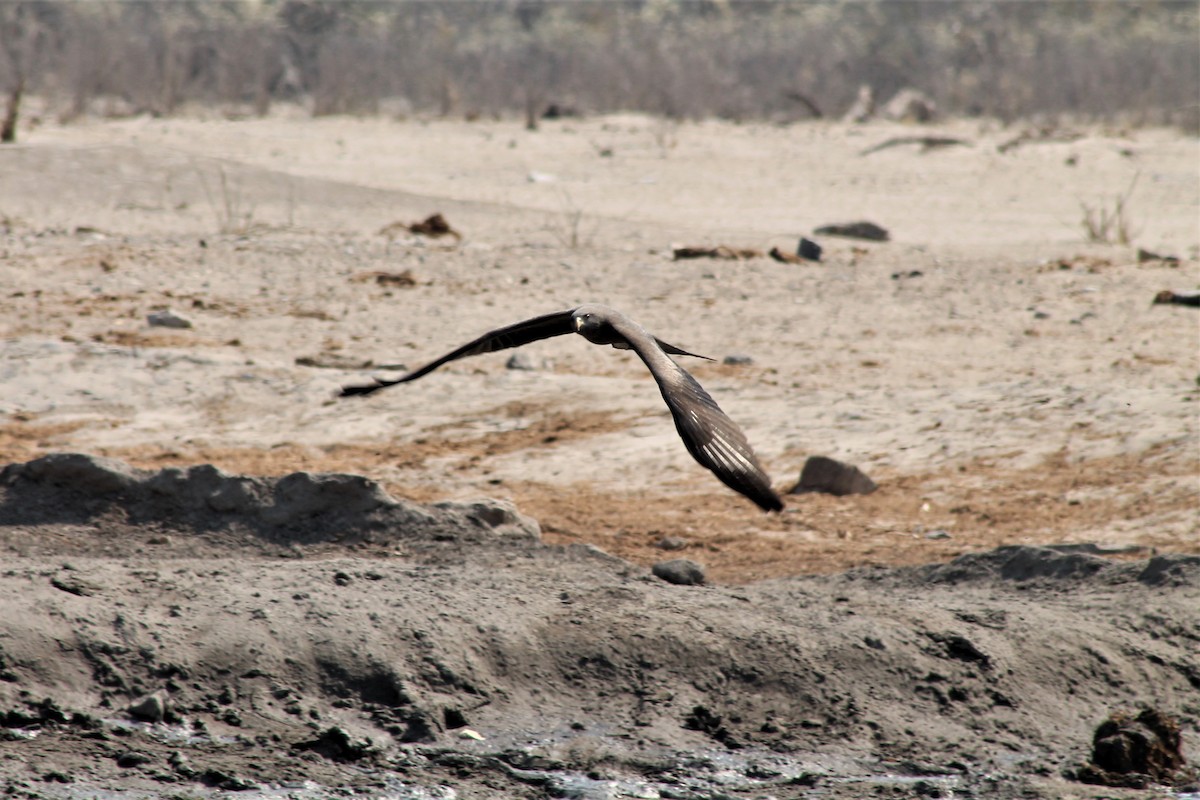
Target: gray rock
823, 474
151, 708
167, 319
671, 543
737, 360
680, 571
132, 758
521, 360
808, 250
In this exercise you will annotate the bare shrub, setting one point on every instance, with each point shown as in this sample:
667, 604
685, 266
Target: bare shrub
1109, 224
25, 34
231, 215
567, 226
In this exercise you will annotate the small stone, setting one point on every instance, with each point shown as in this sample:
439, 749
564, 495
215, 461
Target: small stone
151, 708
167, 319
808, 250
862, 229
337, 745
680, 571
522, 361
1147, 255
824, 474
938, 534
671, 543
132, 758
737, 360
470, 733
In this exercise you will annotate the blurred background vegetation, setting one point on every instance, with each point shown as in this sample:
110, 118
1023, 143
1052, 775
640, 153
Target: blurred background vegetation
1135, 62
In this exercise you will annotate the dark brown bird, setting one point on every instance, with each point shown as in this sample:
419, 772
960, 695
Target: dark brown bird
710, 436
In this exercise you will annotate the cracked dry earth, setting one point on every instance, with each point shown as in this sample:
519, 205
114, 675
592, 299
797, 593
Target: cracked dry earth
1027, 567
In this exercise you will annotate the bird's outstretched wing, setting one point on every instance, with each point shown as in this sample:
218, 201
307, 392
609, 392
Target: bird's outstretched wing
531, 330
715, 440
667, 348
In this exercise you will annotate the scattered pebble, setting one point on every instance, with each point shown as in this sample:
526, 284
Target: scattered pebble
737, 360
671, 543
808, 250
722, 252
522, 361
333, 361
167, 319
1146, 255
434, 226
470, 733
868, 231
404, 280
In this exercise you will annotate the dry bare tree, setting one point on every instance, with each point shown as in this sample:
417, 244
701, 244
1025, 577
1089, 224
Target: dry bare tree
23, 35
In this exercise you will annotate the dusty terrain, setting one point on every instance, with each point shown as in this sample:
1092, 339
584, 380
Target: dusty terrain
1006, 382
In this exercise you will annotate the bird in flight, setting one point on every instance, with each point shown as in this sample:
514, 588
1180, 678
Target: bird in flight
710, 436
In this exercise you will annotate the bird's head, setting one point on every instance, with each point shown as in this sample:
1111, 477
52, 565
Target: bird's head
595, 323
585, 322
588, 320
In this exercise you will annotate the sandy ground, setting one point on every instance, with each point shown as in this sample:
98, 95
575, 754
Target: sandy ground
1005, 382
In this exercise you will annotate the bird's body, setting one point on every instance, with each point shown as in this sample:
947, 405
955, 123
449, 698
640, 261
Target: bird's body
712, 438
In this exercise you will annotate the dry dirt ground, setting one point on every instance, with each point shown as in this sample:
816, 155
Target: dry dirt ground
1006, 382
